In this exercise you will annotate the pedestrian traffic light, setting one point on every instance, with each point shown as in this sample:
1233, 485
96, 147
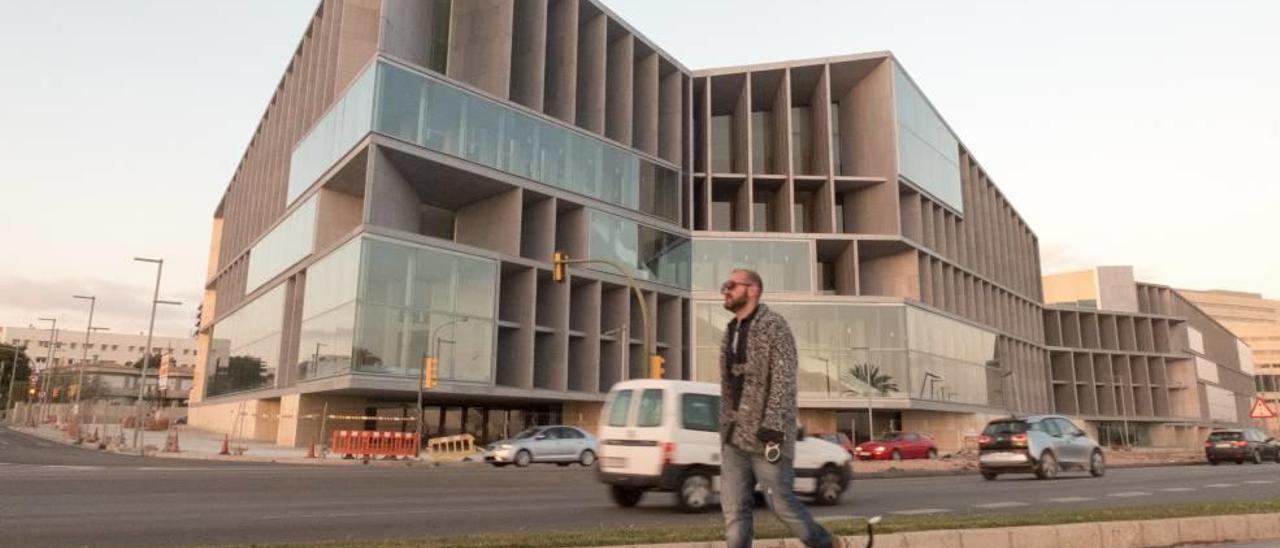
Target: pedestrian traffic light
561, 260
655, 366
429, 374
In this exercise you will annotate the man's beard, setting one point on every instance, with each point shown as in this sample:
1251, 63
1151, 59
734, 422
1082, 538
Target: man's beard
735, 305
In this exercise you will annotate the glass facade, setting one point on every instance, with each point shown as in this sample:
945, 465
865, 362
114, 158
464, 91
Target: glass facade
244, 350
423, 110
286, 244
864, 350
651, 254
783, 264
341, 128
378, 306
329, 313
928, 153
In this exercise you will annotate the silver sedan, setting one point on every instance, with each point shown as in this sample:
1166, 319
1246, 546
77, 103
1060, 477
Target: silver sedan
563, 445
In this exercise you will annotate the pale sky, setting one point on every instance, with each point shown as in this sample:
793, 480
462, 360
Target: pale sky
1138, 132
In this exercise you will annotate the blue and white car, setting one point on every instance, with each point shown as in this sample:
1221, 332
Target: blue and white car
563, 445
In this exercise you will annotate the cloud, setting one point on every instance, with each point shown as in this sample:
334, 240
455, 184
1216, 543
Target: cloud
123, 308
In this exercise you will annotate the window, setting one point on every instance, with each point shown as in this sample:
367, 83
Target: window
1066, 427
618, 411
1005, 427
650, 413
571, 434
700, 412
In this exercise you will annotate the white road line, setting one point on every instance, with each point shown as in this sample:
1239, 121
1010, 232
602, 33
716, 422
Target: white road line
1220, 485
920, 511
1127, 494
1009, 504
1260, 482
1072, 499
1178, 489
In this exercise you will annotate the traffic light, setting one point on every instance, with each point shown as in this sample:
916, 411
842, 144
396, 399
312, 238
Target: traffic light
561, 260
655, 366
429, 375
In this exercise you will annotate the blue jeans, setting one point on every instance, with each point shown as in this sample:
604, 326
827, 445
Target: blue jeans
739, 473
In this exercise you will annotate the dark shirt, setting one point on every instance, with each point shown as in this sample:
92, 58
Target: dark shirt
738, 352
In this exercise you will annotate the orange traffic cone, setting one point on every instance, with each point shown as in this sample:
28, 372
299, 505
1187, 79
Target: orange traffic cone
226, 449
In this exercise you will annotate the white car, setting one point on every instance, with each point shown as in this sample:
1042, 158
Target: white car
663, 435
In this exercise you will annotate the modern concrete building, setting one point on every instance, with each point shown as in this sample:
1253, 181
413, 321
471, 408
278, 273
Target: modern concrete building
1256, 321
1139, 362
420, 162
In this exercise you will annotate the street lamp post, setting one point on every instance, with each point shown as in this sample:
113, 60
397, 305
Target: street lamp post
1124, 413
422, 376
653, 361
93, 301
146, 351
53, 345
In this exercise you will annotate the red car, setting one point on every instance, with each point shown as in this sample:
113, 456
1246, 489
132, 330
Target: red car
898, 446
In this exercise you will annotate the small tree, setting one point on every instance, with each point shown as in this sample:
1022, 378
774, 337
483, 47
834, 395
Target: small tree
7, 354
870, 375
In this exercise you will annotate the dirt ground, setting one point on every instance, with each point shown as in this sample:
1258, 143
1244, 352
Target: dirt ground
968, 461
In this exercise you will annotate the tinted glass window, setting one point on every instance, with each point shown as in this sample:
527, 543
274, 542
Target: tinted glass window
650, 408
572, 434
1005, 427
1066, 427
618, 412
1225, 436
1050, 427
910, 437
700, 412
528, 433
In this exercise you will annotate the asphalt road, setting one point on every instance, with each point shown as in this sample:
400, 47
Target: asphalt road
55, 495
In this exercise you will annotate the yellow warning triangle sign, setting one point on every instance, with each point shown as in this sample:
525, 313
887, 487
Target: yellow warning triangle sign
1261, 410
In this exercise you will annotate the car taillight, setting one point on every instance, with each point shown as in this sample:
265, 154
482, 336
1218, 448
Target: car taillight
1019, 440
1242, 443
668, 452
984, 439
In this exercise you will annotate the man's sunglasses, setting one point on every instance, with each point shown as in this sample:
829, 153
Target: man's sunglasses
731, 285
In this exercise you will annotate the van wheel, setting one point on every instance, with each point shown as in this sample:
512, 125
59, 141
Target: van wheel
830, 486
588, 458
523, 458
1097, 465
625, 497
695, 492
1048, 467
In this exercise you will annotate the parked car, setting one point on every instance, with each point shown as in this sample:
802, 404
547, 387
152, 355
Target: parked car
664, 435
898, 446
838, 438
563, 445
1039, 444
1239, 445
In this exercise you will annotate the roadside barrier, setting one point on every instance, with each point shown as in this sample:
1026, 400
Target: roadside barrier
461, 443
389, 445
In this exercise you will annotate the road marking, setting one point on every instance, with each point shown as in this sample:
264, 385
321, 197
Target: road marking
1127, 494
1010, 504
920, 511
1220, 485
1178, 489
1072, 499
1260, 482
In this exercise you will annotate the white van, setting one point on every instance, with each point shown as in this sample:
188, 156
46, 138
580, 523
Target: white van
663, 435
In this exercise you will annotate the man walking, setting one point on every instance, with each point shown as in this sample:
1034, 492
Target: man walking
758, 415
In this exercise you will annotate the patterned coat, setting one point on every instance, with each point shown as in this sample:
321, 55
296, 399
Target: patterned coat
771, 349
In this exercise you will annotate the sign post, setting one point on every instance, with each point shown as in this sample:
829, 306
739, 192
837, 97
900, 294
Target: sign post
1260, 410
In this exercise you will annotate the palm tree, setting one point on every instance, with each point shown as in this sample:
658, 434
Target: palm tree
869, 375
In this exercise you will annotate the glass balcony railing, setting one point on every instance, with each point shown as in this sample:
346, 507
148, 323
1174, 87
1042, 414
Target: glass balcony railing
422, 109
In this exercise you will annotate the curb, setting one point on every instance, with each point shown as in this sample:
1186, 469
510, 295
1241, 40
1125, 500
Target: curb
1156, 533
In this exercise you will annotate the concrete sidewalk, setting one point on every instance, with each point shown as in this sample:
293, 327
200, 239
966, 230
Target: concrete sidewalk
1110, 534
194, 443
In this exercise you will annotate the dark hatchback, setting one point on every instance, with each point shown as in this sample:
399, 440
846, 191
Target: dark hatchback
1239, 445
